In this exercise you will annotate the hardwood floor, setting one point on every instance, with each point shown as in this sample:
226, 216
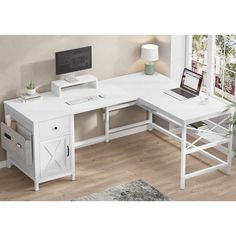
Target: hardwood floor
150, 156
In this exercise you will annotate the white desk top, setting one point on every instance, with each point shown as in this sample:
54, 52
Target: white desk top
147, 90
50, 106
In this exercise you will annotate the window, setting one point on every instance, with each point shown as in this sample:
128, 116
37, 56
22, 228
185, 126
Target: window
199, 54
221, 63
225, 66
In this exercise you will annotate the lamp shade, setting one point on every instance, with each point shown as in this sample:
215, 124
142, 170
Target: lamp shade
150, 52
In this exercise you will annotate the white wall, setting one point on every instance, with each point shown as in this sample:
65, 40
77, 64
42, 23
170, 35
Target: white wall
178, 56
172, 55
163, 64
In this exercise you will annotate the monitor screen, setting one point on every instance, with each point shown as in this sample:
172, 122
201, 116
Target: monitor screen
191, 81
73, 60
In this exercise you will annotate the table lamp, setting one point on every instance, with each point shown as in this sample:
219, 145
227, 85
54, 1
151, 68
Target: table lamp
149, 54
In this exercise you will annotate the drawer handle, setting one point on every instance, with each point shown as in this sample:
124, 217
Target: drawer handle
55, 128
68, 150
7, 136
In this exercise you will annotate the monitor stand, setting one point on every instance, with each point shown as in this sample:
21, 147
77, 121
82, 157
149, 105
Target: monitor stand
89, 81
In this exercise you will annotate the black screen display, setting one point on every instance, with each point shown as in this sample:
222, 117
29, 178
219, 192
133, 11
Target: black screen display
73, 60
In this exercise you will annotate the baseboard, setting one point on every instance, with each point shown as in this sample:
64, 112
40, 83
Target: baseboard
3, 164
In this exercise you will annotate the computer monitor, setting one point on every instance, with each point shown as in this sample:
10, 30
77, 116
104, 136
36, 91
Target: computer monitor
73, 60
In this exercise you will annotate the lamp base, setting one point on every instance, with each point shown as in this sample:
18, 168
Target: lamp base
149, 68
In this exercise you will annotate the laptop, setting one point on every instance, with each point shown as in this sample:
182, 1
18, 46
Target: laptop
189, 87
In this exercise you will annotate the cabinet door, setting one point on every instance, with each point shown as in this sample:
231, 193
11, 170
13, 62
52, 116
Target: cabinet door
55, 156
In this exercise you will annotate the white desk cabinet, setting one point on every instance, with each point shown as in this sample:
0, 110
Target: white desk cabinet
55, 156
44, 150
55, 147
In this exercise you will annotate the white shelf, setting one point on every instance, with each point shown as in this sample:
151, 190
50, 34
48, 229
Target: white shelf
58, 86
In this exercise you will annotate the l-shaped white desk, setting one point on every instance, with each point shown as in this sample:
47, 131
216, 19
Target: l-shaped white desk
47, 125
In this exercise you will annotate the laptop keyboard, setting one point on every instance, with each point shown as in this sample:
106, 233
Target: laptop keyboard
183, 93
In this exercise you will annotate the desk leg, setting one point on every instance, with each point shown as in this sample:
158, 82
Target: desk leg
36, 186
36, 156
8, 120
150, 121
230, 148
72, 144
107, 124
9, 164
183, 158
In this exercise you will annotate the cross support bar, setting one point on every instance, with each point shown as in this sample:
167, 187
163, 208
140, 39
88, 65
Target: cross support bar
206, 170
206, 146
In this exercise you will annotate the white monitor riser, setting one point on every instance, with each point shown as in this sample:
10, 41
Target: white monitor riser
58, 86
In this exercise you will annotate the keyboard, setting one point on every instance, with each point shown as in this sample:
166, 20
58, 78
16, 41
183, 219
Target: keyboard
179, 94
71, 79
83, 100
183, 93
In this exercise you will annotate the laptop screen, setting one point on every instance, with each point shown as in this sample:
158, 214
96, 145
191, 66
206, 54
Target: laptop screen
191, 81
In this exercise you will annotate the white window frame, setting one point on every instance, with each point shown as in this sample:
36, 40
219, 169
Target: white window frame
210, 80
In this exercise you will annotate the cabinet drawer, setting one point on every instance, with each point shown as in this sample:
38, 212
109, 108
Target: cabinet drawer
54, 128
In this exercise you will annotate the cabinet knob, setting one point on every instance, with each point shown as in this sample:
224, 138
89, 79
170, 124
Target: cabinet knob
55, 128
